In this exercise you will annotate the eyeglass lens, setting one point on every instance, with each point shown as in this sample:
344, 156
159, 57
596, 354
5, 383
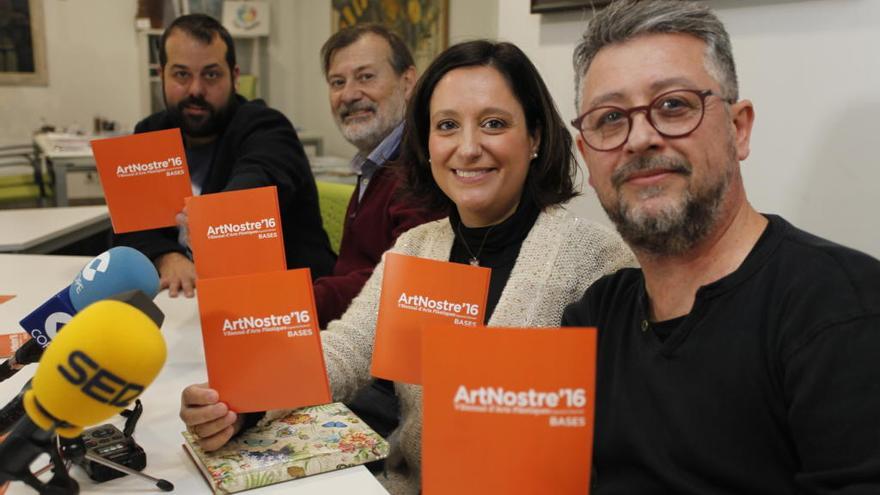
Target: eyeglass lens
672, 114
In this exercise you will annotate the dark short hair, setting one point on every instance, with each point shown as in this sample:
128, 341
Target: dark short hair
401, 58
201, 27
550, 179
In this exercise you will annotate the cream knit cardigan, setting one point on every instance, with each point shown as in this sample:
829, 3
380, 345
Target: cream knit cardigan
561, 256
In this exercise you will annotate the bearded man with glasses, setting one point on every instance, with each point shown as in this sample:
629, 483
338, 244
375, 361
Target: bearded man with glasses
742, 356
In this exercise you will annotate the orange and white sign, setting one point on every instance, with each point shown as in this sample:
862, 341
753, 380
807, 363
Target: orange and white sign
145, 178
507, 410
262, 347
236, 232
10, 342
418, 292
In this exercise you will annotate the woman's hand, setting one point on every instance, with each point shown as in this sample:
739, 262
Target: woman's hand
206, 418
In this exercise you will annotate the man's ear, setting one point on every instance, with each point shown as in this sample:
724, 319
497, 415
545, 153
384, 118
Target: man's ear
235, 73
742, 117
582, 148
408, 78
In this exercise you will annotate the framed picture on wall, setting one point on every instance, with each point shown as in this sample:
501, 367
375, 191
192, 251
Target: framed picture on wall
22, 43
423, 24
246, 18
542, 6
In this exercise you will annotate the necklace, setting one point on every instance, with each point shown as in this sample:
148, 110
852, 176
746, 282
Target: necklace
474, 261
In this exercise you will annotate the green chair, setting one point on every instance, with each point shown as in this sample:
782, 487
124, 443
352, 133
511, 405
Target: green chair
333, 199
21, 180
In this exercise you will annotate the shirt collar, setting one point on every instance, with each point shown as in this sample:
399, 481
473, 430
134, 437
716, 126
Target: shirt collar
380, 153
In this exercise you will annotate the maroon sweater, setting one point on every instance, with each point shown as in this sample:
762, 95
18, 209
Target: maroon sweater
371, 227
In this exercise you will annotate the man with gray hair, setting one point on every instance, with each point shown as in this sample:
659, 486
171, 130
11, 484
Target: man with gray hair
742, 356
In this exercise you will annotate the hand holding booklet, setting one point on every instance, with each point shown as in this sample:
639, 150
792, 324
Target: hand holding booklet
236, 232
145, 179
262, 347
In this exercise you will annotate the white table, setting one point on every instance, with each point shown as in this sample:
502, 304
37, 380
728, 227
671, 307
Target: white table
332, 169
309, 139
33, 278
64, 154
43, 230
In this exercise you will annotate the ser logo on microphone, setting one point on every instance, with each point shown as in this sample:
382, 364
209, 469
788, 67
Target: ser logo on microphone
97, 382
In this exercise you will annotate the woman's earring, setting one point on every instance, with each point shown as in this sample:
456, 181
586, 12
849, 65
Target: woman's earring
534, 155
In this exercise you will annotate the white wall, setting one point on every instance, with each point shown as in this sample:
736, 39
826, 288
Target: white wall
812, 70
91, 51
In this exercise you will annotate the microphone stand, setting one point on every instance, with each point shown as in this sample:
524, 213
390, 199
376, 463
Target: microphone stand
28, 444
75, 450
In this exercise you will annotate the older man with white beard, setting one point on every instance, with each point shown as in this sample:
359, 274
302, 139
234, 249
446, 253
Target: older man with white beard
370, 75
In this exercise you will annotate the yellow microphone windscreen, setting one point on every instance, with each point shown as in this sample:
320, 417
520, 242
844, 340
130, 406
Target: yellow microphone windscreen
105, 357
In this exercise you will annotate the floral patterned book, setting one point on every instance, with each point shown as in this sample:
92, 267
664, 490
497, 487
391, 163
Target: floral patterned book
307, 441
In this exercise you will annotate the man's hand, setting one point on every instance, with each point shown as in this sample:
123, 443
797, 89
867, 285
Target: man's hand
176, 273
208, 420
183, 226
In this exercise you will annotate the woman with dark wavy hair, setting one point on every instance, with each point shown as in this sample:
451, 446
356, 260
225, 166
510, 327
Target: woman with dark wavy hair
485, 144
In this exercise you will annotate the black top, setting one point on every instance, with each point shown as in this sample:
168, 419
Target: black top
258, 148
771, 385
501, 247
198, 160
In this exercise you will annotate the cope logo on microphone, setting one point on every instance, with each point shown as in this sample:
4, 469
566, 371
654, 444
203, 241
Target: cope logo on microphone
98, 265
53, 323
104, 386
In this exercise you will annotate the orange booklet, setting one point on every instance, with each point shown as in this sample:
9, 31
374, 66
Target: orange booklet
236, 232
262, 347
145, 179
507, 410
418, 292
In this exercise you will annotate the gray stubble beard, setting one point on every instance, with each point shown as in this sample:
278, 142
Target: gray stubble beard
676, 229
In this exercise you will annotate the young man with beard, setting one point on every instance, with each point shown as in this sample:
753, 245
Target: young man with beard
742, 356
231, 143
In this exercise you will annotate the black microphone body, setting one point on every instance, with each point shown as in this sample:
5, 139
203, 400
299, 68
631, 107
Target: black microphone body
13, 410
21, 447
27, 442
28, 353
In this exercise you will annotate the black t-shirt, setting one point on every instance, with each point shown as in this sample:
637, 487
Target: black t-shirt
771, 385
198, 159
